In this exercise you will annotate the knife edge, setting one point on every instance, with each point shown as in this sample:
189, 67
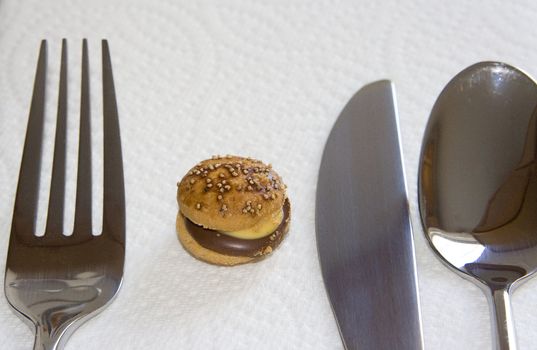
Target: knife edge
365, 140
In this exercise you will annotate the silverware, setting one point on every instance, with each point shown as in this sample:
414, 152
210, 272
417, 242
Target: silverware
478, 183
56, 282
364, 236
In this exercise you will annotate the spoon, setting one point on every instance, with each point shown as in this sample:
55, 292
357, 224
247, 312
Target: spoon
478, 183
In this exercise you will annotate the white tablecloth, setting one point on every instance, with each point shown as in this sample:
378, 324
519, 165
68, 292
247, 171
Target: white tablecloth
260, 78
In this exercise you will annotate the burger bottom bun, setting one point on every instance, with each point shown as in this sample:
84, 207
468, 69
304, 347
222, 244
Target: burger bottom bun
202, 253
210, 256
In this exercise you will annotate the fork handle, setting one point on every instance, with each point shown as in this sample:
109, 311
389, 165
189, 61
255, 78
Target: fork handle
503, 328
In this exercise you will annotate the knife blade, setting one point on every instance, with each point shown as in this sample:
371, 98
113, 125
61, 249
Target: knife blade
364, 234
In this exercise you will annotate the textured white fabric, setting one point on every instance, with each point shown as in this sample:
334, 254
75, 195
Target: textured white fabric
259, 78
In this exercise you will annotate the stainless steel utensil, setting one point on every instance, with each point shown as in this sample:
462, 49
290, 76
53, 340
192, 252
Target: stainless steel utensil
478, 183
56, 282
364, 236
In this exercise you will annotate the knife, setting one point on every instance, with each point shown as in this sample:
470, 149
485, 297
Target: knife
364, 234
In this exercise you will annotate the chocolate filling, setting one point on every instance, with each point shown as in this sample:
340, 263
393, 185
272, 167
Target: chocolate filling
228, 245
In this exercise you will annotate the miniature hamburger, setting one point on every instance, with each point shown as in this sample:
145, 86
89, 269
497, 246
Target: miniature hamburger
232, 210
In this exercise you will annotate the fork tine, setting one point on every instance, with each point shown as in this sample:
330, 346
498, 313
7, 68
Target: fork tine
83, 222
51, 281
114, 188
24, 214
57, 184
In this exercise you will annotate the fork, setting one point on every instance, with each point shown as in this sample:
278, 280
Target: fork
55, 282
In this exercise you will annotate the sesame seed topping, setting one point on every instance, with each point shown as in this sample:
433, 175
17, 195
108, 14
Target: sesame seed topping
250, 188
273, 196
208, 180
222, 175
244, 211
239, 187
249, 203
245, 172
224, 182
266, 196
259, 206
235, 173
211, 166
209, 185
220, 197
224, 207
198, 206
192, 181
219, 185
197, 172
227, 187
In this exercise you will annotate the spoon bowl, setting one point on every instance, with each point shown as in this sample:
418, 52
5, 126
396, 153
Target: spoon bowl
478, 183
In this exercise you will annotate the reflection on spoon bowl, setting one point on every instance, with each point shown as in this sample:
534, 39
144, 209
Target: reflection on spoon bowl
478, 182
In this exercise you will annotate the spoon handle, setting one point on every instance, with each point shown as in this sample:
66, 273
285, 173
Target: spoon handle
502, 319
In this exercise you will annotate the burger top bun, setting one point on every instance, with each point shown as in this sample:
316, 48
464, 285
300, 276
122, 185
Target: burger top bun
230, 193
